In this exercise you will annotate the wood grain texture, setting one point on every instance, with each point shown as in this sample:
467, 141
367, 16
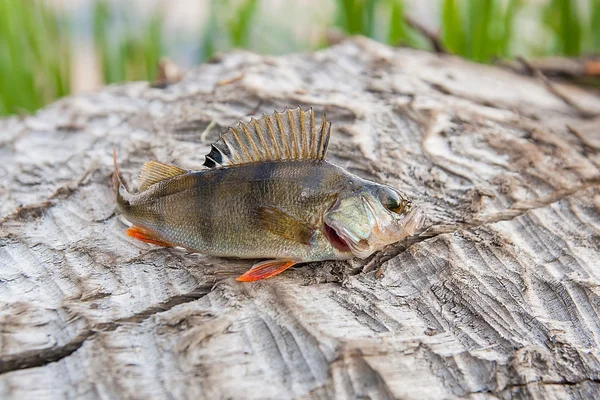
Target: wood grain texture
498, 297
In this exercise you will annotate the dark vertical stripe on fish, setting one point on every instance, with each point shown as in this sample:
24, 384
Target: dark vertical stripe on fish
313, 177
220, 184
263, 171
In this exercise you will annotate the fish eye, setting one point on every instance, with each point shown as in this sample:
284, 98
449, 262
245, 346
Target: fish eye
392, 200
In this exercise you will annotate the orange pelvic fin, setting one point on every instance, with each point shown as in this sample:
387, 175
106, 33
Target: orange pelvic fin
266, 269
145, 236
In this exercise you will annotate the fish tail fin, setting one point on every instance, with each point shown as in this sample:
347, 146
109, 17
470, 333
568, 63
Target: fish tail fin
121, 193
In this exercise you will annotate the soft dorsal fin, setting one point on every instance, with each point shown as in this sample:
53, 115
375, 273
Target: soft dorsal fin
288, 135
153, 172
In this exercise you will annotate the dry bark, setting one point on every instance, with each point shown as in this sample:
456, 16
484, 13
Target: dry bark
499, 296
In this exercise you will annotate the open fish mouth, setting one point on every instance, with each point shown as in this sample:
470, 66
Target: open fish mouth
335, 239
342, 240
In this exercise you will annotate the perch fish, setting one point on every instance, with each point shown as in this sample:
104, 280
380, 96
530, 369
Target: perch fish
267, 193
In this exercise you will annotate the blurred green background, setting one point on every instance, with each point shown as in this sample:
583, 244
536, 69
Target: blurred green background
50, 48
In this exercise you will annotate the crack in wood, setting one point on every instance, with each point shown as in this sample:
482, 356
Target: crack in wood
142, 316
39, 358
35, 210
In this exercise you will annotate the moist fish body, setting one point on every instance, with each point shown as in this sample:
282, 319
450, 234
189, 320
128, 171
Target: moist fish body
267, 193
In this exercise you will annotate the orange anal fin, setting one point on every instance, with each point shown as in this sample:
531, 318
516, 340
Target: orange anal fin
145, 236
266, 269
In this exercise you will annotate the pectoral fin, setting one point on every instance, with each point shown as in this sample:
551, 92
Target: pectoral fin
266, 269
145, 236
285, 225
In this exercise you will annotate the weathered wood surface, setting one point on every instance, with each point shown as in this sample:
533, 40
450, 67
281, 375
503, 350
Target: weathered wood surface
498, 298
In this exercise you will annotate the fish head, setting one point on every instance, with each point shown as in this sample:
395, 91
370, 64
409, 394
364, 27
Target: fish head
369, 217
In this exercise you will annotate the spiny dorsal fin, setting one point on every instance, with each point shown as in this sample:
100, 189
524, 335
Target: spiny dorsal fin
153, 172
288, 135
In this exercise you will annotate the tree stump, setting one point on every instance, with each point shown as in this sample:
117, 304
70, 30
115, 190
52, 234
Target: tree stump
497, 297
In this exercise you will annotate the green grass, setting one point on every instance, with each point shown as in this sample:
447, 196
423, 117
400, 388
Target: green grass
381, 20
128, 50
453, 30
397, 32
480, 30
229, 26
561, 17
35, 40
594, 31
357, 17
34, 56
